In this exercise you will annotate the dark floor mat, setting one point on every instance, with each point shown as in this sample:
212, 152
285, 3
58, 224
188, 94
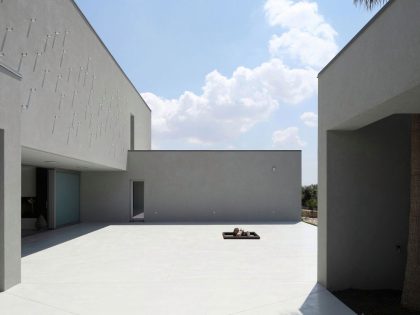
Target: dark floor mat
230, 236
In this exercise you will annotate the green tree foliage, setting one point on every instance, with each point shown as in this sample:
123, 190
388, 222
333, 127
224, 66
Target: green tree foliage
369, 4
310, 197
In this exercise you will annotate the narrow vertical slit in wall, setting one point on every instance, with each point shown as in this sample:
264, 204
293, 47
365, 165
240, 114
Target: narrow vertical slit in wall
132, 132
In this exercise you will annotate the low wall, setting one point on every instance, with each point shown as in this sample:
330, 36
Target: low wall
198, 186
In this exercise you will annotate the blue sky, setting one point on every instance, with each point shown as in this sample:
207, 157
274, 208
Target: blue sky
228, 74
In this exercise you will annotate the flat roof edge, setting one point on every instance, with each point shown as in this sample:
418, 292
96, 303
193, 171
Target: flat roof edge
93, 164
358, 34
107, 50
133, 151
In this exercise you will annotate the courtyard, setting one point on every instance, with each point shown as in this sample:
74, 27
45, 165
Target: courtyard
170, 269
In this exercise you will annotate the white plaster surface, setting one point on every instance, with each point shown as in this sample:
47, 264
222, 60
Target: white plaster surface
170, 269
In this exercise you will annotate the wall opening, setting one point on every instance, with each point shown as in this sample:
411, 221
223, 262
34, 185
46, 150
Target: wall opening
34, 199
132, 132
67, 198
368, 199
137, 202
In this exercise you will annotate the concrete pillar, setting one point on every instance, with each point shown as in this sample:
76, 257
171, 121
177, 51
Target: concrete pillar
322, 209
2, 185
10, 214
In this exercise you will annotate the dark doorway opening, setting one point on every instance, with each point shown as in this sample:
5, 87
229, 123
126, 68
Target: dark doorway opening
34, 200
137, 202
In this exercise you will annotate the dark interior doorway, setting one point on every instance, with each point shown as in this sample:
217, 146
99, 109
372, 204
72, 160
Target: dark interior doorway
34, 200
137, 210
42, 192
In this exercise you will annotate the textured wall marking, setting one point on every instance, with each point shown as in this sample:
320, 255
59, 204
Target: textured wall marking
48, 36
31, 21
58, 82
62, 57
66, 32
55, 38
28, 103
44, 77
37, 55
3, 43
22, 55
62, 96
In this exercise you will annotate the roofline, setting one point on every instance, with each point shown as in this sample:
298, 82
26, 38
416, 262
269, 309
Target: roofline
107, 50
371, 21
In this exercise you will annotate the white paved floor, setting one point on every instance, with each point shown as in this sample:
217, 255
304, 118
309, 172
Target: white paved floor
170, 269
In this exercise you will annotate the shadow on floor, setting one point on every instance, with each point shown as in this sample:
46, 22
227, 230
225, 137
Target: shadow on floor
43, 240
40, 241
374, 302
322, 301
229, 223
26, 233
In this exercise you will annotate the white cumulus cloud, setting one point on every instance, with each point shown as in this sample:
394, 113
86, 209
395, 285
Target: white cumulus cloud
229, 106
308, 38
288, 139
310, 119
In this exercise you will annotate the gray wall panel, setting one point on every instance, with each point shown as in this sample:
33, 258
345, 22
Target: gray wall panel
206, 186
368, 200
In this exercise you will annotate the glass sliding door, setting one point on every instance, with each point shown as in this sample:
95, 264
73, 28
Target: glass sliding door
67, 198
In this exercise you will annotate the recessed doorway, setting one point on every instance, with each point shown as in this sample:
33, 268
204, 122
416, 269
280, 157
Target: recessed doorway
137, 200
34, 200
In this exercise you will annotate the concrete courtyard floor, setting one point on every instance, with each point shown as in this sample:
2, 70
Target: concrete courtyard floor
170, 269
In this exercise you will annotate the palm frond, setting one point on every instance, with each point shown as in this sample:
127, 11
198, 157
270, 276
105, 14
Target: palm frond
369, 4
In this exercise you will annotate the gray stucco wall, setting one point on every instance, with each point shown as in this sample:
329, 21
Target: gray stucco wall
10, 186
368, 204
72, 92
376, 76
61, 92
207, 186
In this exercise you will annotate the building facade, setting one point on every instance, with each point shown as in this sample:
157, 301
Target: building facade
197, 186
75, 140
64, 104
366, 97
